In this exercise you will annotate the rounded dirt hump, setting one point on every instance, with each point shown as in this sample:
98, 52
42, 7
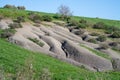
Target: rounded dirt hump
84, 56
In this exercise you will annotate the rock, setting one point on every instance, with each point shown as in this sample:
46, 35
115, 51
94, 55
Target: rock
4, 24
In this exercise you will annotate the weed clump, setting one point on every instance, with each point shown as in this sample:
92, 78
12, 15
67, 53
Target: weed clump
35, 40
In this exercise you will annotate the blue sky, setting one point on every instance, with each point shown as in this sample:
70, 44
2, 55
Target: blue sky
108, 9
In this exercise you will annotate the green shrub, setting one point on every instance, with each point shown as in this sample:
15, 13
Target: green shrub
46, 18
45, 74
104, 46
92, 40
72, 22
116, 49
15, 25
78, 32
19, 19
6, 33
82, 25
56, 16
102, 38
116, 34
99, 25
111, 29
113, 44
35, 17
35, 40
94, 34
83, 21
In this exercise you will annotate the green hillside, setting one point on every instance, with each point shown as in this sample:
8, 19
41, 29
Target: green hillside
13, 13
14, 59
17, 63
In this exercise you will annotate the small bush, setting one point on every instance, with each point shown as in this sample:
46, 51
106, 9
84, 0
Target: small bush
72, 23
102, 38
113, 28
56, 16
104, 46
6, 33
78, 32
116, 48
83, 21
45, 74
99, 25
94, 34
35, 17
19, 19
92, 40
82, 25
15, 25
116, 34
35, 40
47, 18
113, 44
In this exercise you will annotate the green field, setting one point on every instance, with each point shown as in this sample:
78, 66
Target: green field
14, 59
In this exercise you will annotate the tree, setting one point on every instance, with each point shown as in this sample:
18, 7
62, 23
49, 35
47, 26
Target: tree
65, 12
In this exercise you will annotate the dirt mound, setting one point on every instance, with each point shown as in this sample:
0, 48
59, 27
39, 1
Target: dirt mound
60, 43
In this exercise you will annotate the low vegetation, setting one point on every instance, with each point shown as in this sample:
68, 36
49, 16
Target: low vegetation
102, 38
17, 63
92, 40
6, 33
104, 46
15, 25
35, 40
96, 52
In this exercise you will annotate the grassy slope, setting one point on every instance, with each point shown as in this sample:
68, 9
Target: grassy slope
95, 20
13, 57
16, 13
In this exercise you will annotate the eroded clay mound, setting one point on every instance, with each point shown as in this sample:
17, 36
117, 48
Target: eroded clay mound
59, 43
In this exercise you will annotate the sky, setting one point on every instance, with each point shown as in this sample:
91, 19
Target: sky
107, 9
